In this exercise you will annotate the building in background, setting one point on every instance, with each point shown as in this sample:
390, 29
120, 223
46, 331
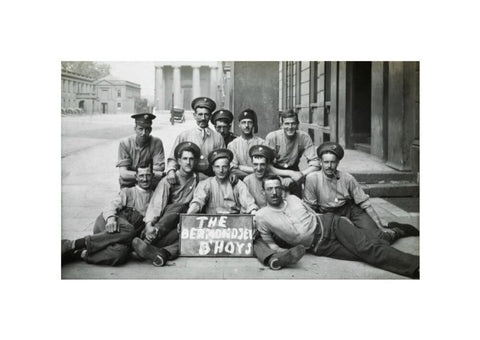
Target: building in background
78, 93
367, 106
184, 81
117, 96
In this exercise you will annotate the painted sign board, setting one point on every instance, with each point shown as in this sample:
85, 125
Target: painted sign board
216, 235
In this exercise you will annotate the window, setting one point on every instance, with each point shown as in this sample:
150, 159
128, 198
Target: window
119, 93
119, 105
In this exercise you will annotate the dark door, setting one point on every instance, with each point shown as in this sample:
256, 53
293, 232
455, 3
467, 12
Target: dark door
104, 107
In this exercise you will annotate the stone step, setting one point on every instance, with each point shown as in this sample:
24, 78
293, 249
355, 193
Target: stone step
362, 147
391, 189
388, 176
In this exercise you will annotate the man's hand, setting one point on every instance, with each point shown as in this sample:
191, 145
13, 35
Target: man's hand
150, 233
112, 225
171, 178
233, 179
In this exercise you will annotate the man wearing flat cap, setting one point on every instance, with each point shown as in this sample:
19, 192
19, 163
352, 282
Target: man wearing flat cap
202, 135
222, 120
290, 145
262, 156
159, 243
333, 191
140, 148
242, 164
216, 195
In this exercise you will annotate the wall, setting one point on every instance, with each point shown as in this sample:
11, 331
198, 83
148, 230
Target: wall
255, 86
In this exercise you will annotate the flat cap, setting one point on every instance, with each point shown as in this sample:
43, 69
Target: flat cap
222, 114
205, 102
332, 147
262, 151
249, 114
219, 153
143, 119
188, 146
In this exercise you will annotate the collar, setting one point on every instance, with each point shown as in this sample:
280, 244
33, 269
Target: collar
206, 130
141, 189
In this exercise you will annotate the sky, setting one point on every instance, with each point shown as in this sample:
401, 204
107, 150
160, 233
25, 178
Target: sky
140, 72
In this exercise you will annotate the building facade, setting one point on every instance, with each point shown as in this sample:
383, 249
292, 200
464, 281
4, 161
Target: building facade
78, 93
178, 83
117, 96
369, 106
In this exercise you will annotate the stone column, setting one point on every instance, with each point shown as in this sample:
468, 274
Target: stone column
196, 82
177, 87
159, 89
213, 83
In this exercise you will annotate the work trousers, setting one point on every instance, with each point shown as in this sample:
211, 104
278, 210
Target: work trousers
113, 248
342, 240
362, 220
168, 236
262, 251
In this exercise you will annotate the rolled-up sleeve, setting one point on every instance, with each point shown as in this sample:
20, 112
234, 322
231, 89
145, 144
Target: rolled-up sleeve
247, 201
124, 158
115, 205
265, 233
201, 194
310, 152
158, 156
309, 192
359, 196
158, 202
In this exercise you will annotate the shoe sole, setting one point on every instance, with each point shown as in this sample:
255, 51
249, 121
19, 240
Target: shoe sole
148, 252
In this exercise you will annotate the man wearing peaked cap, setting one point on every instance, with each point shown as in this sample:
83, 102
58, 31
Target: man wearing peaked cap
262, 156
140, 148
222, 120
242, 164
187, 146
331, 147
160, 241
290, 145
204, 102
202, 135
216, 195
333, 191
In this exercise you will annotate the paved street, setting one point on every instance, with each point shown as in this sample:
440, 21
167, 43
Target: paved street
90, 181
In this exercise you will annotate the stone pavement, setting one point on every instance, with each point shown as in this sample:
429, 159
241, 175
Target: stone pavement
90, 181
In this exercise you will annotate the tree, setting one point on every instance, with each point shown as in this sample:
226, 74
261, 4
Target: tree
87, 68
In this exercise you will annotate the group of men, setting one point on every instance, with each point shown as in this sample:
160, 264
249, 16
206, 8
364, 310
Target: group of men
319, 210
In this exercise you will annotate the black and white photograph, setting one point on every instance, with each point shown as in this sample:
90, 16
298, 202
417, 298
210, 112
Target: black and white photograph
239, 169
322, 155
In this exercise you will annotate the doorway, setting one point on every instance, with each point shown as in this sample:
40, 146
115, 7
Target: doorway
361, 105
104, 107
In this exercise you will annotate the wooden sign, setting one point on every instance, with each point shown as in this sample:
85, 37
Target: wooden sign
216, 235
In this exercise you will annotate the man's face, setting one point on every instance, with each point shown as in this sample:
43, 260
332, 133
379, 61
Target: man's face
246, 125
289, 126
273, 192
187, 162
144, 177
143, 134
202, 116
329, 164
259, 166
221, 168
222, 127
